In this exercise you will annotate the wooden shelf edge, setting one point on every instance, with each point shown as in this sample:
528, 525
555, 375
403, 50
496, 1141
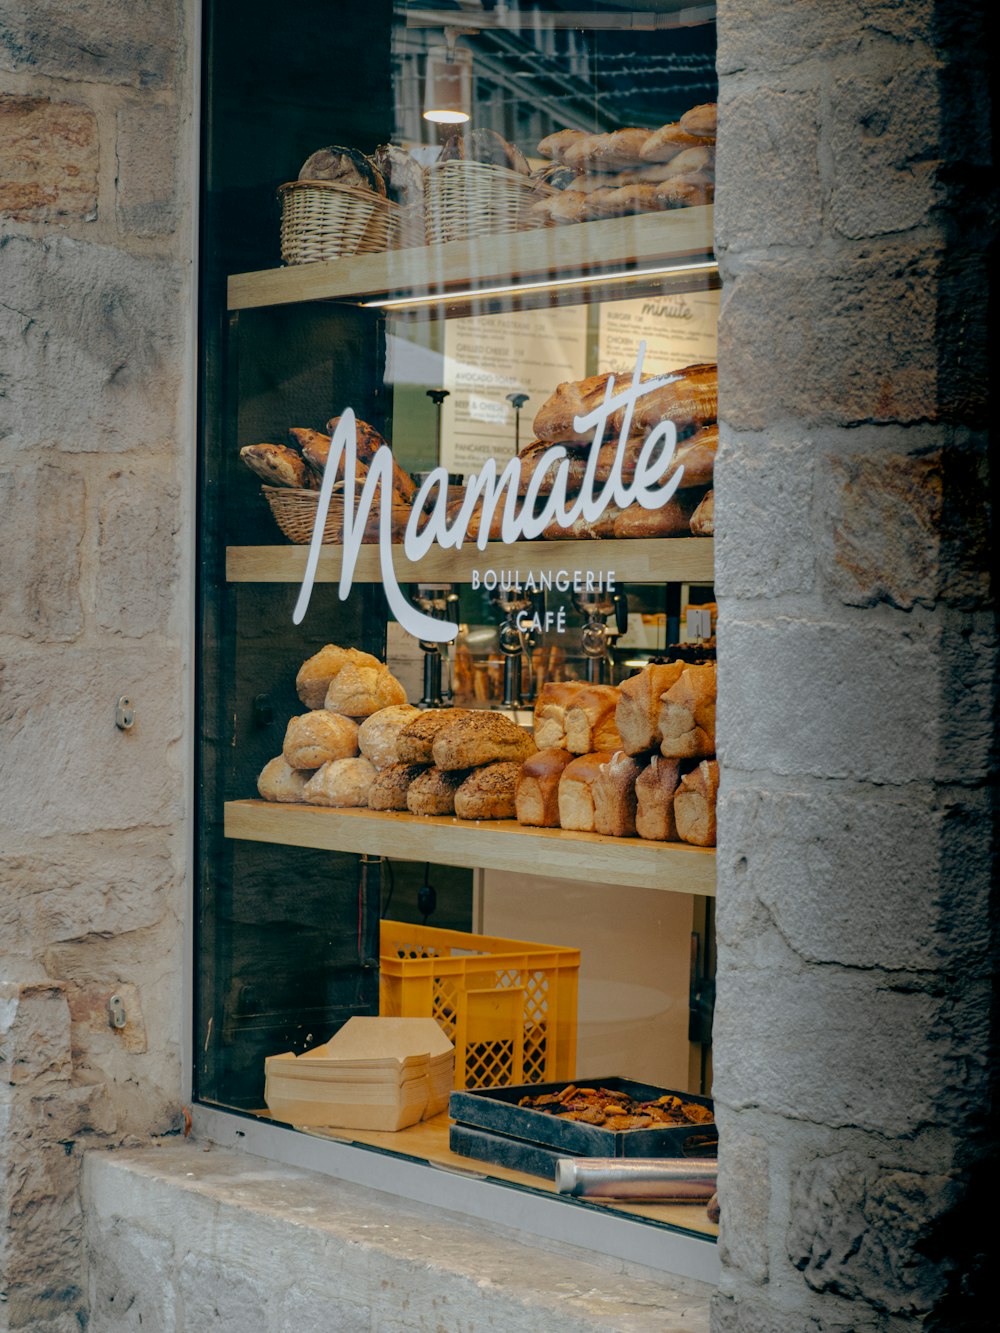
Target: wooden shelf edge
488, 844
643, 560
603, 246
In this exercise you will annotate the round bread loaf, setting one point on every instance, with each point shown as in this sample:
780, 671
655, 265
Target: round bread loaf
316, 672
359, 691
433, 792
481, 738
315, 738
278, 781
418, 736
342, 782
388, 791
488, 792
346, 166
403, 174
378, 736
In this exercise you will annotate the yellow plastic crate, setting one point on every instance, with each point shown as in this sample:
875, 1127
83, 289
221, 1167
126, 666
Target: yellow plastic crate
508, 1006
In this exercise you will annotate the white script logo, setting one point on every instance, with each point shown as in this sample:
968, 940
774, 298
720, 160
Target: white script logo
518, 521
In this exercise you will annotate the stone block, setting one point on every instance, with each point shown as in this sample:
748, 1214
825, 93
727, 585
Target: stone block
95, 776
763, 486
96, 345
862, 1231
837, 340
34, 1031
95, 41
831, 700
885, 140
89, 1011
44, 519
768, 171
837, 1047
309, 1308
764, 35
742, 1312
125, 1281
48, 160
147, 145
744, 1199
138, 552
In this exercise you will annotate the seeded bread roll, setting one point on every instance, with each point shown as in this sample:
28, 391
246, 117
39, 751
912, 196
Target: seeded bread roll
316, 672
654, 793
638, 713
576, 796
278, 466
391, 785
488, 792
419, 734
703, 518
537, 794
590, 720
694, 804
378, 735
551, 704
687, 715
433, 792
359, 691
278, 781
481, 738
315, 738
613, 793
342, 782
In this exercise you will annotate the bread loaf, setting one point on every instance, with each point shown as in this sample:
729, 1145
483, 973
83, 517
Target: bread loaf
433, 792
606, 152
672, 519
582, 529
576, 797
614, 796
278, 466
696, 455
691, 398
346, 166
703, 518
687, 715
691, 190
367, 442
554, 419
378, 735
694, 804
555, 145
701, 120
278, 781
313, 739
481, 738
403, 174
391, 784
359, 691
488, 792
623, 200
654, 793
590, 720
551, 703
316, 672
341, 782
667, 142
537, 793
638, 713
417, 737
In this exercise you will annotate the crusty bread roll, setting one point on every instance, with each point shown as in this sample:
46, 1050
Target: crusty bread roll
551, 703
694, 804
481, 738
576, 797
687, 715
654, 793
418, 736
590, 720
701, 120
359, 691
672, 519
607, 152
391, 784
342, 782
378, 735
313, 739
638, 713
537, 795
278, 466
278, 781
316, 672
433, 792
703, 518
488, 792
613, 793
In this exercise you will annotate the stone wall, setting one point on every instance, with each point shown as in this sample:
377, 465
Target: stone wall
96, 449
856, 664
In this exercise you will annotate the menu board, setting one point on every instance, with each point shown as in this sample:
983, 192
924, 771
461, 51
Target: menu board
488, 357
679, 330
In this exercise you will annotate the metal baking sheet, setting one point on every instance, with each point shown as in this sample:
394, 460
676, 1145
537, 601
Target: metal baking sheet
496, 1110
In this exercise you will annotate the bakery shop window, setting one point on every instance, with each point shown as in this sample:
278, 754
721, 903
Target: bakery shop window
456, 671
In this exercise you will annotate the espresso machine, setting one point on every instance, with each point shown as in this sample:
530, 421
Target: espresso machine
439, 600
515, 643
598, 636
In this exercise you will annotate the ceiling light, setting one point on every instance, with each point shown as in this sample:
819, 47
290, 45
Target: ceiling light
448, 86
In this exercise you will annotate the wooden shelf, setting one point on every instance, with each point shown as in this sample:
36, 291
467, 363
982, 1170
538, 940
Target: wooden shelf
500, 844
545, 255
643, 560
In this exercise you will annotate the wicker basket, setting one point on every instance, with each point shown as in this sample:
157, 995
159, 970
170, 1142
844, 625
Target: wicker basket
406, 227
324, 220
465, 199
295, 513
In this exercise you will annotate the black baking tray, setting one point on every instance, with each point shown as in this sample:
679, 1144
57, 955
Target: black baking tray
496, 1111
497, 1148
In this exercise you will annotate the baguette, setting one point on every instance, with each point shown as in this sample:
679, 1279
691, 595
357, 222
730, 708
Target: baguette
687, 715
607, 152
554, 146
614, 796
654, 792
576, 796
694, 804
689, 191
488, 792
638, 712
668, 142
537, 792
672, 519
590, 720
368, 442
696, 455
702, 121
691, 398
